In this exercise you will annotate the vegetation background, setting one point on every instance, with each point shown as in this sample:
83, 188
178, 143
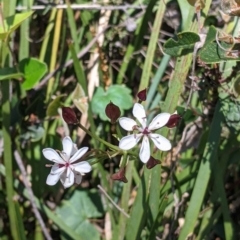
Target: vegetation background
85, 54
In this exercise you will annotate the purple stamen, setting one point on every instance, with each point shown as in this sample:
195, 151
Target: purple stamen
146, 131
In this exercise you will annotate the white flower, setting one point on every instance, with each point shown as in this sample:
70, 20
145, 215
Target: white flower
144, 131
63, 168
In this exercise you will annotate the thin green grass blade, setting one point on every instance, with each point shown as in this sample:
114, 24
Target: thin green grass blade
204, 233
124, 202
20, 222
156, 79
228, 226
219, 193
43, 51
54, 52
147, 69
139, 210
78, 68
73, 28
137, 43
204, 173
205, 222
157, 223
6, 116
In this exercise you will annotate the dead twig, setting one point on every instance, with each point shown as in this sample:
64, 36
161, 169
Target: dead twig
114, 204
31, 195
82, 7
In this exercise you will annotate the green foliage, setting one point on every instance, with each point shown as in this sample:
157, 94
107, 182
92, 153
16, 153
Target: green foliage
8, 73
58, 57
119, 95
11, 23
33, 71
76, 211
231, 111
33, 133
53, 106
184, 44
211, 52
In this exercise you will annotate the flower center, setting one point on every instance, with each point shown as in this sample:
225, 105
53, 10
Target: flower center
66, 165
145, 131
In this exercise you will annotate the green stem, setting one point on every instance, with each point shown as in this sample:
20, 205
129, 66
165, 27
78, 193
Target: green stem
99, 139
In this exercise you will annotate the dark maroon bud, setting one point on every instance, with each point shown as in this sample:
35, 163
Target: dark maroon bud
152, 162
173, 120
142, 95
113, 112
120, 176
69, 115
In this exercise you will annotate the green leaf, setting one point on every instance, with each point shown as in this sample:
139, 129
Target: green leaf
231, 111
33, 71
212, 53
183, 46
118, 95
9, 73
52, 109
11, 23
34, 133
76, 211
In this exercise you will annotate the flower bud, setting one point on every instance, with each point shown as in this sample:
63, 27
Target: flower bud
152, 162
69, 115
113, 112
120, 175
142, 95
173, 120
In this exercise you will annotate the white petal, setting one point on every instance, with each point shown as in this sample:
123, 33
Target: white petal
67, 178
74, 149
127, 123
56, 169
160, 142
67, 146
129, 141
144, 153
78, 178
52, 179
78, 154
159, 121
52, 155
140, 114
82, 167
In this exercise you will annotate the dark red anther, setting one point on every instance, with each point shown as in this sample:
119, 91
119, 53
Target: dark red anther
173, 120
120, 176
152, 162
113, 112
142, 95
69, 115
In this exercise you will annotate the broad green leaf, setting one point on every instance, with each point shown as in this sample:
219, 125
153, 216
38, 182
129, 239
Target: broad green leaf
212, 53
33, 71
9, 73
11, 23
52, 109
183, 46
77, 210
118, 95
